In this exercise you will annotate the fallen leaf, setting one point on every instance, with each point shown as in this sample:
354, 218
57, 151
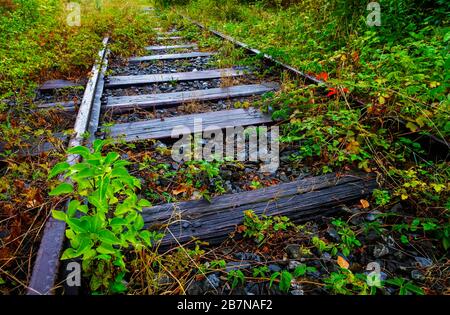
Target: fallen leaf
342, 262
364, 203
199, 277
180, 190
332, 92
353, 147
411, 126
241, 228
322, 76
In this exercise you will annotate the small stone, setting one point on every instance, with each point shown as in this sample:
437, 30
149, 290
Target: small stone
293, 251
326, 256
274, 268
315, 274
247, 256
297, 292
396, 208
389, 240
196, 288
236, 265
399, 255
212, 281
423, 262
293, 264
372, 236
161, 145
164, 280
383, 276
380, 250
417, 275
372, 215
4, 233
283, 177
252, 289
333, 234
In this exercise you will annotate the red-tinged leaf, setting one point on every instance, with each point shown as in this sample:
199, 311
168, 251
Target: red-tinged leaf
322, 76
332, 92
241, 228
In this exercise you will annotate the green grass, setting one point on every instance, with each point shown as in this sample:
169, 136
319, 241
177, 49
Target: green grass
38, 44
401, 67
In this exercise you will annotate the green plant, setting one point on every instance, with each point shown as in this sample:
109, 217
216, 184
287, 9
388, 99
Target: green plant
255, 184
428, 226
346, 282
260, 271
348, 237
405, 287
382, 197
103, 218
322, 246
236, 277
302, 269
284, 277
375, 226
262, 228
197, 171
217, 264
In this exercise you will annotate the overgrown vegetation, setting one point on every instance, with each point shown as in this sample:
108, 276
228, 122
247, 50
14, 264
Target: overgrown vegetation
37, 43
41, 40
109, 223
399, 70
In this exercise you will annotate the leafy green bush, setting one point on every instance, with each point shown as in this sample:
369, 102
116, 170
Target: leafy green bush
103, 217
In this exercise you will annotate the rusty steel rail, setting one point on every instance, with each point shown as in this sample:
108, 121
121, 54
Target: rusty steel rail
46, 265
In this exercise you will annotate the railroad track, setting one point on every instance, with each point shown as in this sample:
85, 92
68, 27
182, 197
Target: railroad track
300, 200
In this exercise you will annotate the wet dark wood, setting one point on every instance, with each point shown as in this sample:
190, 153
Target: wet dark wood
67, 106
190, 55
168, 47
130, 80
169, 38
160, 129
126, 103
300, 200
57, 84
